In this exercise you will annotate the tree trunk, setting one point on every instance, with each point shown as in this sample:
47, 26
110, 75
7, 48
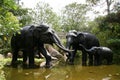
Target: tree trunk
108, 5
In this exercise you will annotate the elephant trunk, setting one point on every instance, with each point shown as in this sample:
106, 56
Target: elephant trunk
83, 47
68, 43
64, 49
59, 44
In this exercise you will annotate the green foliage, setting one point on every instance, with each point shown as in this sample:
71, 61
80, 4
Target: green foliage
12, 16
73, 16
8, 23
43, 13
114, 43
23, 15
107, 29
8, 4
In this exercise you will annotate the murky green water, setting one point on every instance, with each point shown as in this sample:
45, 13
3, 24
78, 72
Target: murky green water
76, 72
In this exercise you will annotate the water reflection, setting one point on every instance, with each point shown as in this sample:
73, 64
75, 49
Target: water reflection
67, 72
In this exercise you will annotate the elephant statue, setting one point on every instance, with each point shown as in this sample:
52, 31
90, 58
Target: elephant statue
100, 54
74, 38
31, 37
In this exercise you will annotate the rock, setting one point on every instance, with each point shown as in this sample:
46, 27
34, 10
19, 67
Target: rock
42, 64
9, 55
26, 74
107, 78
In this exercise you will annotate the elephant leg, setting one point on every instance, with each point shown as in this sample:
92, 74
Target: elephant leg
14, 58
96, 60
37, 54
28, 54
100, 60
72, 56
109, 60
47, 57
84, 58
31, 58
68, 56
90, 63
24, 57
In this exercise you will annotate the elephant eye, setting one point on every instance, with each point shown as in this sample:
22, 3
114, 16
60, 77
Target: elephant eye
66, 36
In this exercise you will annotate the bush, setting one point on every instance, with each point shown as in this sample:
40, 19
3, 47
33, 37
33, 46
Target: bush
114, 44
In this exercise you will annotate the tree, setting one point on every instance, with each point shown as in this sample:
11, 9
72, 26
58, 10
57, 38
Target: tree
108, 3
116, 7
74, 16
23, 14
107, 29
8, 22
43, 13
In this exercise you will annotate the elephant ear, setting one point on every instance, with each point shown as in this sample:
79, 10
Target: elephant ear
39, 30
81, 36
72, 33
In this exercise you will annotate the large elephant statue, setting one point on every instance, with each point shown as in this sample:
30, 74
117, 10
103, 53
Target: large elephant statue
74, 38
31, 37
100, 54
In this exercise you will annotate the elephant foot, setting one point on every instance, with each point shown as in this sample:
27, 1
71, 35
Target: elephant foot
48, 66
97, 64
33, 66
25, 66
43, 64
84, 64
90, 64
48, 62
70, 61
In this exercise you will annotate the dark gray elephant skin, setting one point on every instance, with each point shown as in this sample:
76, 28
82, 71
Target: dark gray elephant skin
75, 38
30, 38
100, 54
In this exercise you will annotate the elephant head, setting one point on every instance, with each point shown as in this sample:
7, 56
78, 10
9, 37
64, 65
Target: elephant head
74, 38
46, 34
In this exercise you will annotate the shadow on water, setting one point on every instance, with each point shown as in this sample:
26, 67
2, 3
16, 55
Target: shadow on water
66, 72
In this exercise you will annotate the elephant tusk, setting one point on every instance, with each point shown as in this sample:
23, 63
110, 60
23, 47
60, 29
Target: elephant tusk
61, 47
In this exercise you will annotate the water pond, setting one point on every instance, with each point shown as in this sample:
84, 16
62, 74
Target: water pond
66, 72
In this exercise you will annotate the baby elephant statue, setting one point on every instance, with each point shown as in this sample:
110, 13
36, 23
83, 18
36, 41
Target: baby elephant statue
100, 54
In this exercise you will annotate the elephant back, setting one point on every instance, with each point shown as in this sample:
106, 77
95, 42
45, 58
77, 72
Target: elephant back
90, 40
27, 28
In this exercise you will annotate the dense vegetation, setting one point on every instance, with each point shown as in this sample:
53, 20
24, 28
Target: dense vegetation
12, 17
73, 16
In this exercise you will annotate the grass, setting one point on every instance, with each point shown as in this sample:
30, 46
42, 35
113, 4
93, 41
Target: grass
5, 61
